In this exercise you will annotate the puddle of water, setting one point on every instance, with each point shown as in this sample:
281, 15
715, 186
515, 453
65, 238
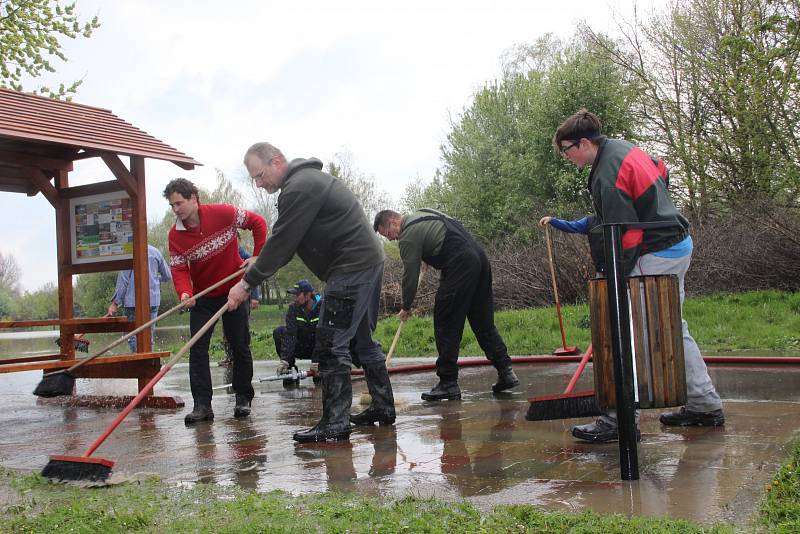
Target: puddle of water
481, 448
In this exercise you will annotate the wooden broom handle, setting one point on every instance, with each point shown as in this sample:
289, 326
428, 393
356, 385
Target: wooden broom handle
549, 240
152, 383
149, 323
400, 326
394, 342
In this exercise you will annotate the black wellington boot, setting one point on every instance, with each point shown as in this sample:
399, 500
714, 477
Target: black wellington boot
444, 390
337, 397
506, 379
381, 409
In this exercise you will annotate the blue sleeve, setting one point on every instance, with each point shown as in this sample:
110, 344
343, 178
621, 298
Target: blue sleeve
163, 268
123, 281
581, 226
243, 253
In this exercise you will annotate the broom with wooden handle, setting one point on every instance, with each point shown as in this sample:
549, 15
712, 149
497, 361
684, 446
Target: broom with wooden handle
62, 382
85, 467
568, 404
564, 350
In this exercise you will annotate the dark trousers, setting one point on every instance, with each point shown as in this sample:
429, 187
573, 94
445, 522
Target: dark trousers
348, 317
303, 348
236, 325
465, 293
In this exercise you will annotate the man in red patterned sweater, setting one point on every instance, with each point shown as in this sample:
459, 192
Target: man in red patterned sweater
203, 249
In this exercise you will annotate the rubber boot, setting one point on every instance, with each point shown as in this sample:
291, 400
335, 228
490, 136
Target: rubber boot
337, 397
444, 390
201, 412
506, 379
381, 409
242, 408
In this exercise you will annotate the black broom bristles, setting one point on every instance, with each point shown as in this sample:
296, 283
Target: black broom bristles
563, 406
78, 468
55, 384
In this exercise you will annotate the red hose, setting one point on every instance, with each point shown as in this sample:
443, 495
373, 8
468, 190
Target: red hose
749, 360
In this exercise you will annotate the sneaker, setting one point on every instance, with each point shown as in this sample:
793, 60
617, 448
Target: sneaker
443, 391
242, 408
506, 379
684, 417
200, 413
600, 431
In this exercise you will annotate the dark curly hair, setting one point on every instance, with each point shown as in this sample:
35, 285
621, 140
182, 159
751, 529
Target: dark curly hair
182, 186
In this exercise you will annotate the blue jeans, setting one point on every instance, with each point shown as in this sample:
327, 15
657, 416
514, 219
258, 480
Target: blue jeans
130, 313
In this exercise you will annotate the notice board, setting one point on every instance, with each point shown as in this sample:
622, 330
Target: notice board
101, 227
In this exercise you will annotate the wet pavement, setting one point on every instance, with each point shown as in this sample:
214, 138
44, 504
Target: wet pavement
480, 448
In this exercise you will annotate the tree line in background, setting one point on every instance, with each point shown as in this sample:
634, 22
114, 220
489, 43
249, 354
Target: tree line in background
709, 85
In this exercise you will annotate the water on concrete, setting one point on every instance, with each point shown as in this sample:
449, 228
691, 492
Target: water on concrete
480, 448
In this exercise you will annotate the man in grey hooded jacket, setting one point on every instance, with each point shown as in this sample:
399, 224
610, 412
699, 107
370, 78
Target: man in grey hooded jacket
321, 221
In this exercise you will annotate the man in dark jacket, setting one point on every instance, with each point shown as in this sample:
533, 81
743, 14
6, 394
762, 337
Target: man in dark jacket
629, 186
465, 292
295, 339
320, 219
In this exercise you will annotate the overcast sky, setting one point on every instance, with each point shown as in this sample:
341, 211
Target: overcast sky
380, 80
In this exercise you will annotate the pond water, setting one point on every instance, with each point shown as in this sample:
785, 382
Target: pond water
41, 342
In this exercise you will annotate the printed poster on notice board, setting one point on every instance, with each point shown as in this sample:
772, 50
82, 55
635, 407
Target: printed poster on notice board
101, 227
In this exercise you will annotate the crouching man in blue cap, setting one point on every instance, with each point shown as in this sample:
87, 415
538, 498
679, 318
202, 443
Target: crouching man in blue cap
295, 340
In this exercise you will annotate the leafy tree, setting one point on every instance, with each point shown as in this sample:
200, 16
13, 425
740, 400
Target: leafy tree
719, 96
30, 33
94, 291
7, 299
500, 171
39, 304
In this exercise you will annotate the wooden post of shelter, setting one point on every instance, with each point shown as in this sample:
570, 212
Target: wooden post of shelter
40, 138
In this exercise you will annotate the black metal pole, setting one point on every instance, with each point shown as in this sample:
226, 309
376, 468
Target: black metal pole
619, 313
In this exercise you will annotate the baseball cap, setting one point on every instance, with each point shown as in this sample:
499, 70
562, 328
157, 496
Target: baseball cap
302, 286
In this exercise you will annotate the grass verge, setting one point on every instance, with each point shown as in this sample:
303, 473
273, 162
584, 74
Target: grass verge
151, 506
762, 322
780, 510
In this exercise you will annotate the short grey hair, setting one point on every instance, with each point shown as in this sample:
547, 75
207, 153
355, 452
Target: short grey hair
264, 152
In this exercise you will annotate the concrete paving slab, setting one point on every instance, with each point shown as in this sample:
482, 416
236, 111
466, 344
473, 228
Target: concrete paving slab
480, 448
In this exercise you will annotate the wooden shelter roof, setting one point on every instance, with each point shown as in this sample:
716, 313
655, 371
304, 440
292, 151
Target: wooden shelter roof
45, 128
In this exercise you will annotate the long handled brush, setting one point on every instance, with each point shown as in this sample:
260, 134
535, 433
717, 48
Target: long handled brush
80, 343
62, 382
85, 467
564, 350
568, 404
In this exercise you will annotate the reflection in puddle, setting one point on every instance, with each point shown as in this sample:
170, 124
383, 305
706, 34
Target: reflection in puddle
480, 448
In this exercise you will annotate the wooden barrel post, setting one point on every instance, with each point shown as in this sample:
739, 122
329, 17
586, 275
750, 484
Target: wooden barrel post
657, 341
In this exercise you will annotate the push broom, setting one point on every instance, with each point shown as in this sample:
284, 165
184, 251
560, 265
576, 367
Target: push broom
85, 467
568, 404
564, 350
62, 382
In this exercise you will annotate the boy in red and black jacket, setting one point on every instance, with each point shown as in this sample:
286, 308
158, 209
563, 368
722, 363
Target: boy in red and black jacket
203, 249
629, 186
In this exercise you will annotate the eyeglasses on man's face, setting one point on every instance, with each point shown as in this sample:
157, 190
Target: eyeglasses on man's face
564, 149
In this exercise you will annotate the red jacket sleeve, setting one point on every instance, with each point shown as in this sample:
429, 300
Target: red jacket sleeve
179, 267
